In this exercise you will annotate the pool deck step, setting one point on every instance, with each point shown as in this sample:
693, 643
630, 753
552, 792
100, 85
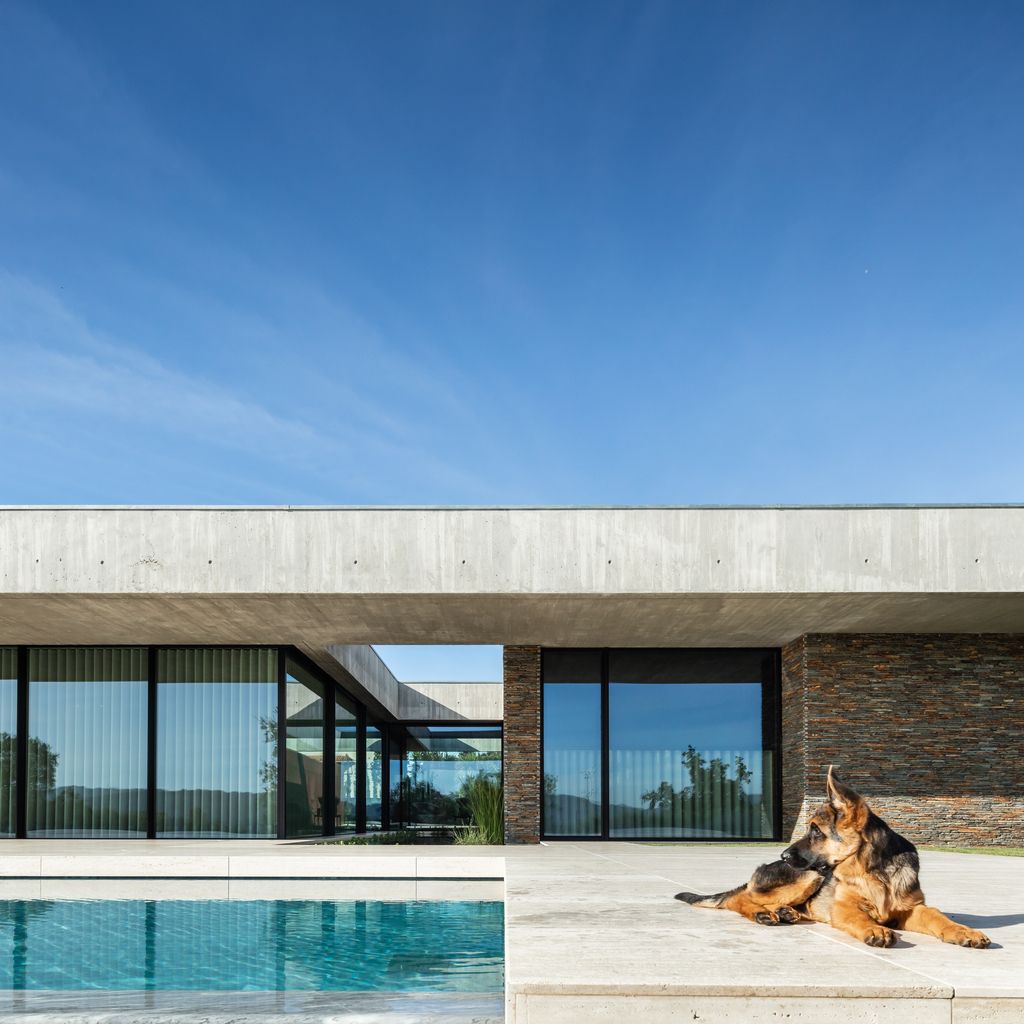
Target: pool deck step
243, 860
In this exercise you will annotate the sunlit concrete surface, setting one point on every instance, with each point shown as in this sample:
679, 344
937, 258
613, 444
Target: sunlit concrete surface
592, 930
592, 933
319, 577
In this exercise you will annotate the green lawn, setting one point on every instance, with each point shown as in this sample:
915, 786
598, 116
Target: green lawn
992, 851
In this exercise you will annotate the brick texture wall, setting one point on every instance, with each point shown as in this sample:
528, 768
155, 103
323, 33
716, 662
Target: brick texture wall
930, 728
521, 751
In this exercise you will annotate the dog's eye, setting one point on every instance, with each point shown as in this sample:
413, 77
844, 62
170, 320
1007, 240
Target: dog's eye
815, 831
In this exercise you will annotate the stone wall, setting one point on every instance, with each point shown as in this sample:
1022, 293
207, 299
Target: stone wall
928, 727
794, 738
521, 750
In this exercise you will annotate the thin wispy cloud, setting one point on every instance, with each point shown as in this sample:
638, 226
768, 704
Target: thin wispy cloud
59, 371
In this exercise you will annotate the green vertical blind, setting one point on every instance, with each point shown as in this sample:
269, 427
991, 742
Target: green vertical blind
87, 742
8, 737
216, 773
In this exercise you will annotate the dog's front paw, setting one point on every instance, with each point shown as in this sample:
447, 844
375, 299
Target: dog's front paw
788, 915
767, 917
970, 937
880, 936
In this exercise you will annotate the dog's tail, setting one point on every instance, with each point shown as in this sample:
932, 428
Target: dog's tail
712, 902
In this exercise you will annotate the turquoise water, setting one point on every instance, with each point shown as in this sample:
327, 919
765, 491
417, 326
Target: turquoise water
253, 945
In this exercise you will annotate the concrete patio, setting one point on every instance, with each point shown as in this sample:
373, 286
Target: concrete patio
592, 931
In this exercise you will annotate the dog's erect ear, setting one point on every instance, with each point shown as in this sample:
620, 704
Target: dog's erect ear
847, 803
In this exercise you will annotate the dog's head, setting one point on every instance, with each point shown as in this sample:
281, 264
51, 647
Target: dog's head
835, 831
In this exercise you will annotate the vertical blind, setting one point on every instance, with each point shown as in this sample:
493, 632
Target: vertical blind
689, 737
8, 737
217, 743
87, 742
374, 777
346, 754
304, 754
572, 759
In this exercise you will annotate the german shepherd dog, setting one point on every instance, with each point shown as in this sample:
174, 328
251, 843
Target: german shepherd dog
850, 871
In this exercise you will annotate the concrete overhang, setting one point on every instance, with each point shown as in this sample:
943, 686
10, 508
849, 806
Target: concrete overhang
320, 578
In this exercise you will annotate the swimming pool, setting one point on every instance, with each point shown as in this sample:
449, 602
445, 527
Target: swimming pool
251, 946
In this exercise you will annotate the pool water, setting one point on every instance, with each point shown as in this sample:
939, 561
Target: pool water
252, 945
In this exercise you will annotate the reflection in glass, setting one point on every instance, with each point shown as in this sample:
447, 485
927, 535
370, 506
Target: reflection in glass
86, 771
346, 751
396, 781
374, 777
8, 737
440, 762
690, 742
216, 742
686, 760
572, 759
304, 752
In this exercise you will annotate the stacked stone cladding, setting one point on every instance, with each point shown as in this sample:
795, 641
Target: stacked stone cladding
794, 737
521, 747
928, 727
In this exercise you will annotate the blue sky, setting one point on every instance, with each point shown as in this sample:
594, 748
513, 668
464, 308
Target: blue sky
478, 253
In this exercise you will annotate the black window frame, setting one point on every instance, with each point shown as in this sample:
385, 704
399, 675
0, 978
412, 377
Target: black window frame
332, 689
401, 738
771, 739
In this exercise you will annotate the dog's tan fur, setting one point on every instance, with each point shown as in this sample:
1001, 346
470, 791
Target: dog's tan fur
867, 879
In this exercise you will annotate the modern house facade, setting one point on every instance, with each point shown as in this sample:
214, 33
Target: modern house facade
669, 673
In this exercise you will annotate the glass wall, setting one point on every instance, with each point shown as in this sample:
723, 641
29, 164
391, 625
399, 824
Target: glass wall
374, 777
691, 740
346, 766
87, 742
217, 743
396, 780
8, 737
200, 742
440, 761
304, 752
572, 743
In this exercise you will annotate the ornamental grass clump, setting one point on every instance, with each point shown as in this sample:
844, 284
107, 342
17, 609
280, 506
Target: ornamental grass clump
484, 796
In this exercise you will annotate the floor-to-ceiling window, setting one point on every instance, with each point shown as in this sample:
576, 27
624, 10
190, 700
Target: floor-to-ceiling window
87, 742
572, 743
374, 777
685, 746
8, 738
203, 742
396, 778
346, 765
441, 762
217, 742
304, 796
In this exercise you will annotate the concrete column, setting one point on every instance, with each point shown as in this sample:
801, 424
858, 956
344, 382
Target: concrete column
521, 753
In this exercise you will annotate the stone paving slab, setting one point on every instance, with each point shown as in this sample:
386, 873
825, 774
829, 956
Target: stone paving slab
608, 943
252, 859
